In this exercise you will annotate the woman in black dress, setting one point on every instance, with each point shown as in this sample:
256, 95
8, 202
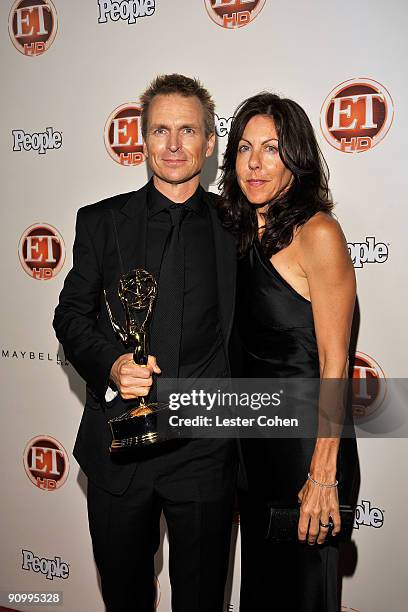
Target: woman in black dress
295, 302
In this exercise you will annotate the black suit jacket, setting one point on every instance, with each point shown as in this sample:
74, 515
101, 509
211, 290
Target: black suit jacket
82, 325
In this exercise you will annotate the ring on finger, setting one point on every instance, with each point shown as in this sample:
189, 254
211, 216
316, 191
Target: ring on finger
325, 525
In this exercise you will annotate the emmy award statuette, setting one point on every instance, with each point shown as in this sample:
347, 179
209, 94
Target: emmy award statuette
139, 425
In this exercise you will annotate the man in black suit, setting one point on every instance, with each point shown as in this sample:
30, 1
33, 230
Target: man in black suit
193, 481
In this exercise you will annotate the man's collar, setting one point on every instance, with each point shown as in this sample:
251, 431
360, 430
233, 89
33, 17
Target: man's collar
157, 202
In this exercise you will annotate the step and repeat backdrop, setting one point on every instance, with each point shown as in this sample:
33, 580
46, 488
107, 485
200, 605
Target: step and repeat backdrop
72, 72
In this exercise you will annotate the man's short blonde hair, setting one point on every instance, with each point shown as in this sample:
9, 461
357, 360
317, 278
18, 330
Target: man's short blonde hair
181, 85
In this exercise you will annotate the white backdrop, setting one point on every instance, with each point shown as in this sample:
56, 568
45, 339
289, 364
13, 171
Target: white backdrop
67, 66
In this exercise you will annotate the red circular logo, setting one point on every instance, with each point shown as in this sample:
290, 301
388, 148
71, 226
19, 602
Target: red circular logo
369, 386
46, 463
356, 115
233, 14
33, 26
123, 135
41, 251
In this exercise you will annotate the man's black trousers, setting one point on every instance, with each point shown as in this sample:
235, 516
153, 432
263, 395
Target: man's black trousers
194, 485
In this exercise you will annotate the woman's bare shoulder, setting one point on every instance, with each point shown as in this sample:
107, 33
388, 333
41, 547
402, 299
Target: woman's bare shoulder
321, 240
320, 230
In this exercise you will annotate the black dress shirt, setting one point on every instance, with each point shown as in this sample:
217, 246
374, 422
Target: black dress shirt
201, 352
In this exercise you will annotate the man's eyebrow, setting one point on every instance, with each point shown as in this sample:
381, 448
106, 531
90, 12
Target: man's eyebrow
155, 126
190, 125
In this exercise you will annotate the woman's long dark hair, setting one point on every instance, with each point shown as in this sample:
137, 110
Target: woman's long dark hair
300, 153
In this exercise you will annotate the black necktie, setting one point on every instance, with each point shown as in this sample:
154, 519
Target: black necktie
168, 313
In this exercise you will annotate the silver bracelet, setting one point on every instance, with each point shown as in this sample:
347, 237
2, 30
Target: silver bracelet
322, 484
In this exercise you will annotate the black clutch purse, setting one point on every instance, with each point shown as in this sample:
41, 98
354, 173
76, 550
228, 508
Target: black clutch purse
283, 524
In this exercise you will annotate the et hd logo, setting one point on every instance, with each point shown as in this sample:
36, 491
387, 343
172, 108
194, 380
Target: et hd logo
32, 26
123, 135
356, 115
369, 387
46, 463
231, 14
41, 251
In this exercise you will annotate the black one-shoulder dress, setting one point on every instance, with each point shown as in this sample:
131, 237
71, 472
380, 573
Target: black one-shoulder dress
277, 331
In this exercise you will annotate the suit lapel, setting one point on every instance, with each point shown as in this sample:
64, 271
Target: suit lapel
225, 255
131, 223
125, 245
